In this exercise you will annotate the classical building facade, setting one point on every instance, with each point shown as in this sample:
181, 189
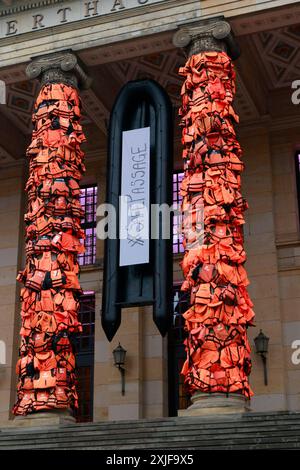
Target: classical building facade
115, 42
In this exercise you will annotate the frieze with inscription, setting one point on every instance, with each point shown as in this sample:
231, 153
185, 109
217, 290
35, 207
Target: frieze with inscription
63, 13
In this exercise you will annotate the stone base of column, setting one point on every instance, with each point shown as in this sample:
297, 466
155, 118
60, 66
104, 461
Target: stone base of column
43, 419
216, 404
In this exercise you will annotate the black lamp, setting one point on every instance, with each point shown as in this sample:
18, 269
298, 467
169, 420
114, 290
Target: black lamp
261, 344
119, 354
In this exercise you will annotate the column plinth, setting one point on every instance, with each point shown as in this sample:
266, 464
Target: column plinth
43, 419
204, 404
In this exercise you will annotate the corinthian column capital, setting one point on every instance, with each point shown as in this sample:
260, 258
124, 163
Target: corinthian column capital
214, 34
59, 67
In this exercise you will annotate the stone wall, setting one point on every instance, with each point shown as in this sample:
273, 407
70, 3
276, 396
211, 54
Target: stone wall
262, 270
286, 212
11, 248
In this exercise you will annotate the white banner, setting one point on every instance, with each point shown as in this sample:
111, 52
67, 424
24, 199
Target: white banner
135, 197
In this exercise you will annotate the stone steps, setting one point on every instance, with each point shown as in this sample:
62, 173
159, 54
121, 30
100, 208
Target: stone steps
249, 431
65, 432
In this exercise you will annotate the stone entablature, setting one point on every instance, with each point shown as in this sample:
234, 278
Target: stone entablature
132, 23
42, 15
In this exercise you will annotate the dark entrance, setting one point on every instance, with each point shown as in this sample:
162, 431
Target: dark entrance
85, 358
178, 397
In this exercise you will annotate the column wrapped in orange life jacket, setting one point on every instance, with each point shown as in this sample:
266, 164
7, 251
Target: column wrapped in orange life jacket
50, 297
218, 351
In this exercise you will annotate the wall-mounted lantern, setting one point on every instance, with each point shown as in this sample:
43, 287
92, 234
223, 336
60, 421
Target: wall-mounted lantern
261, 344
119, 354
2, 92
2, 355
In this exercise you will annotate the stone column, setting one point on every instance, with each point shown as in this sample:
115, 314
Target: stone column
218, 352
46, 368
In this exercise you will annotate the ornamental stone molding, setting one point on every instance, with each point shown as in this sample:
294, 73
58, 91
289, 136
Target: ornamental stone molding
62, 67
6, 9
208, 35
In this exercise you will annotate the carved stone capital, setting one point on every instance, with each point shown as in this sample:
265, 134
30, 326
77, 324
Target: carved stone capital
59, 67
208, 35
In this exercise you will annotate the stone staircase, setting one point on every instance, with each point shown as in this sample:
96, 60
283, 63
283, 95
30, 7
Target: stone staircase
279, 430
